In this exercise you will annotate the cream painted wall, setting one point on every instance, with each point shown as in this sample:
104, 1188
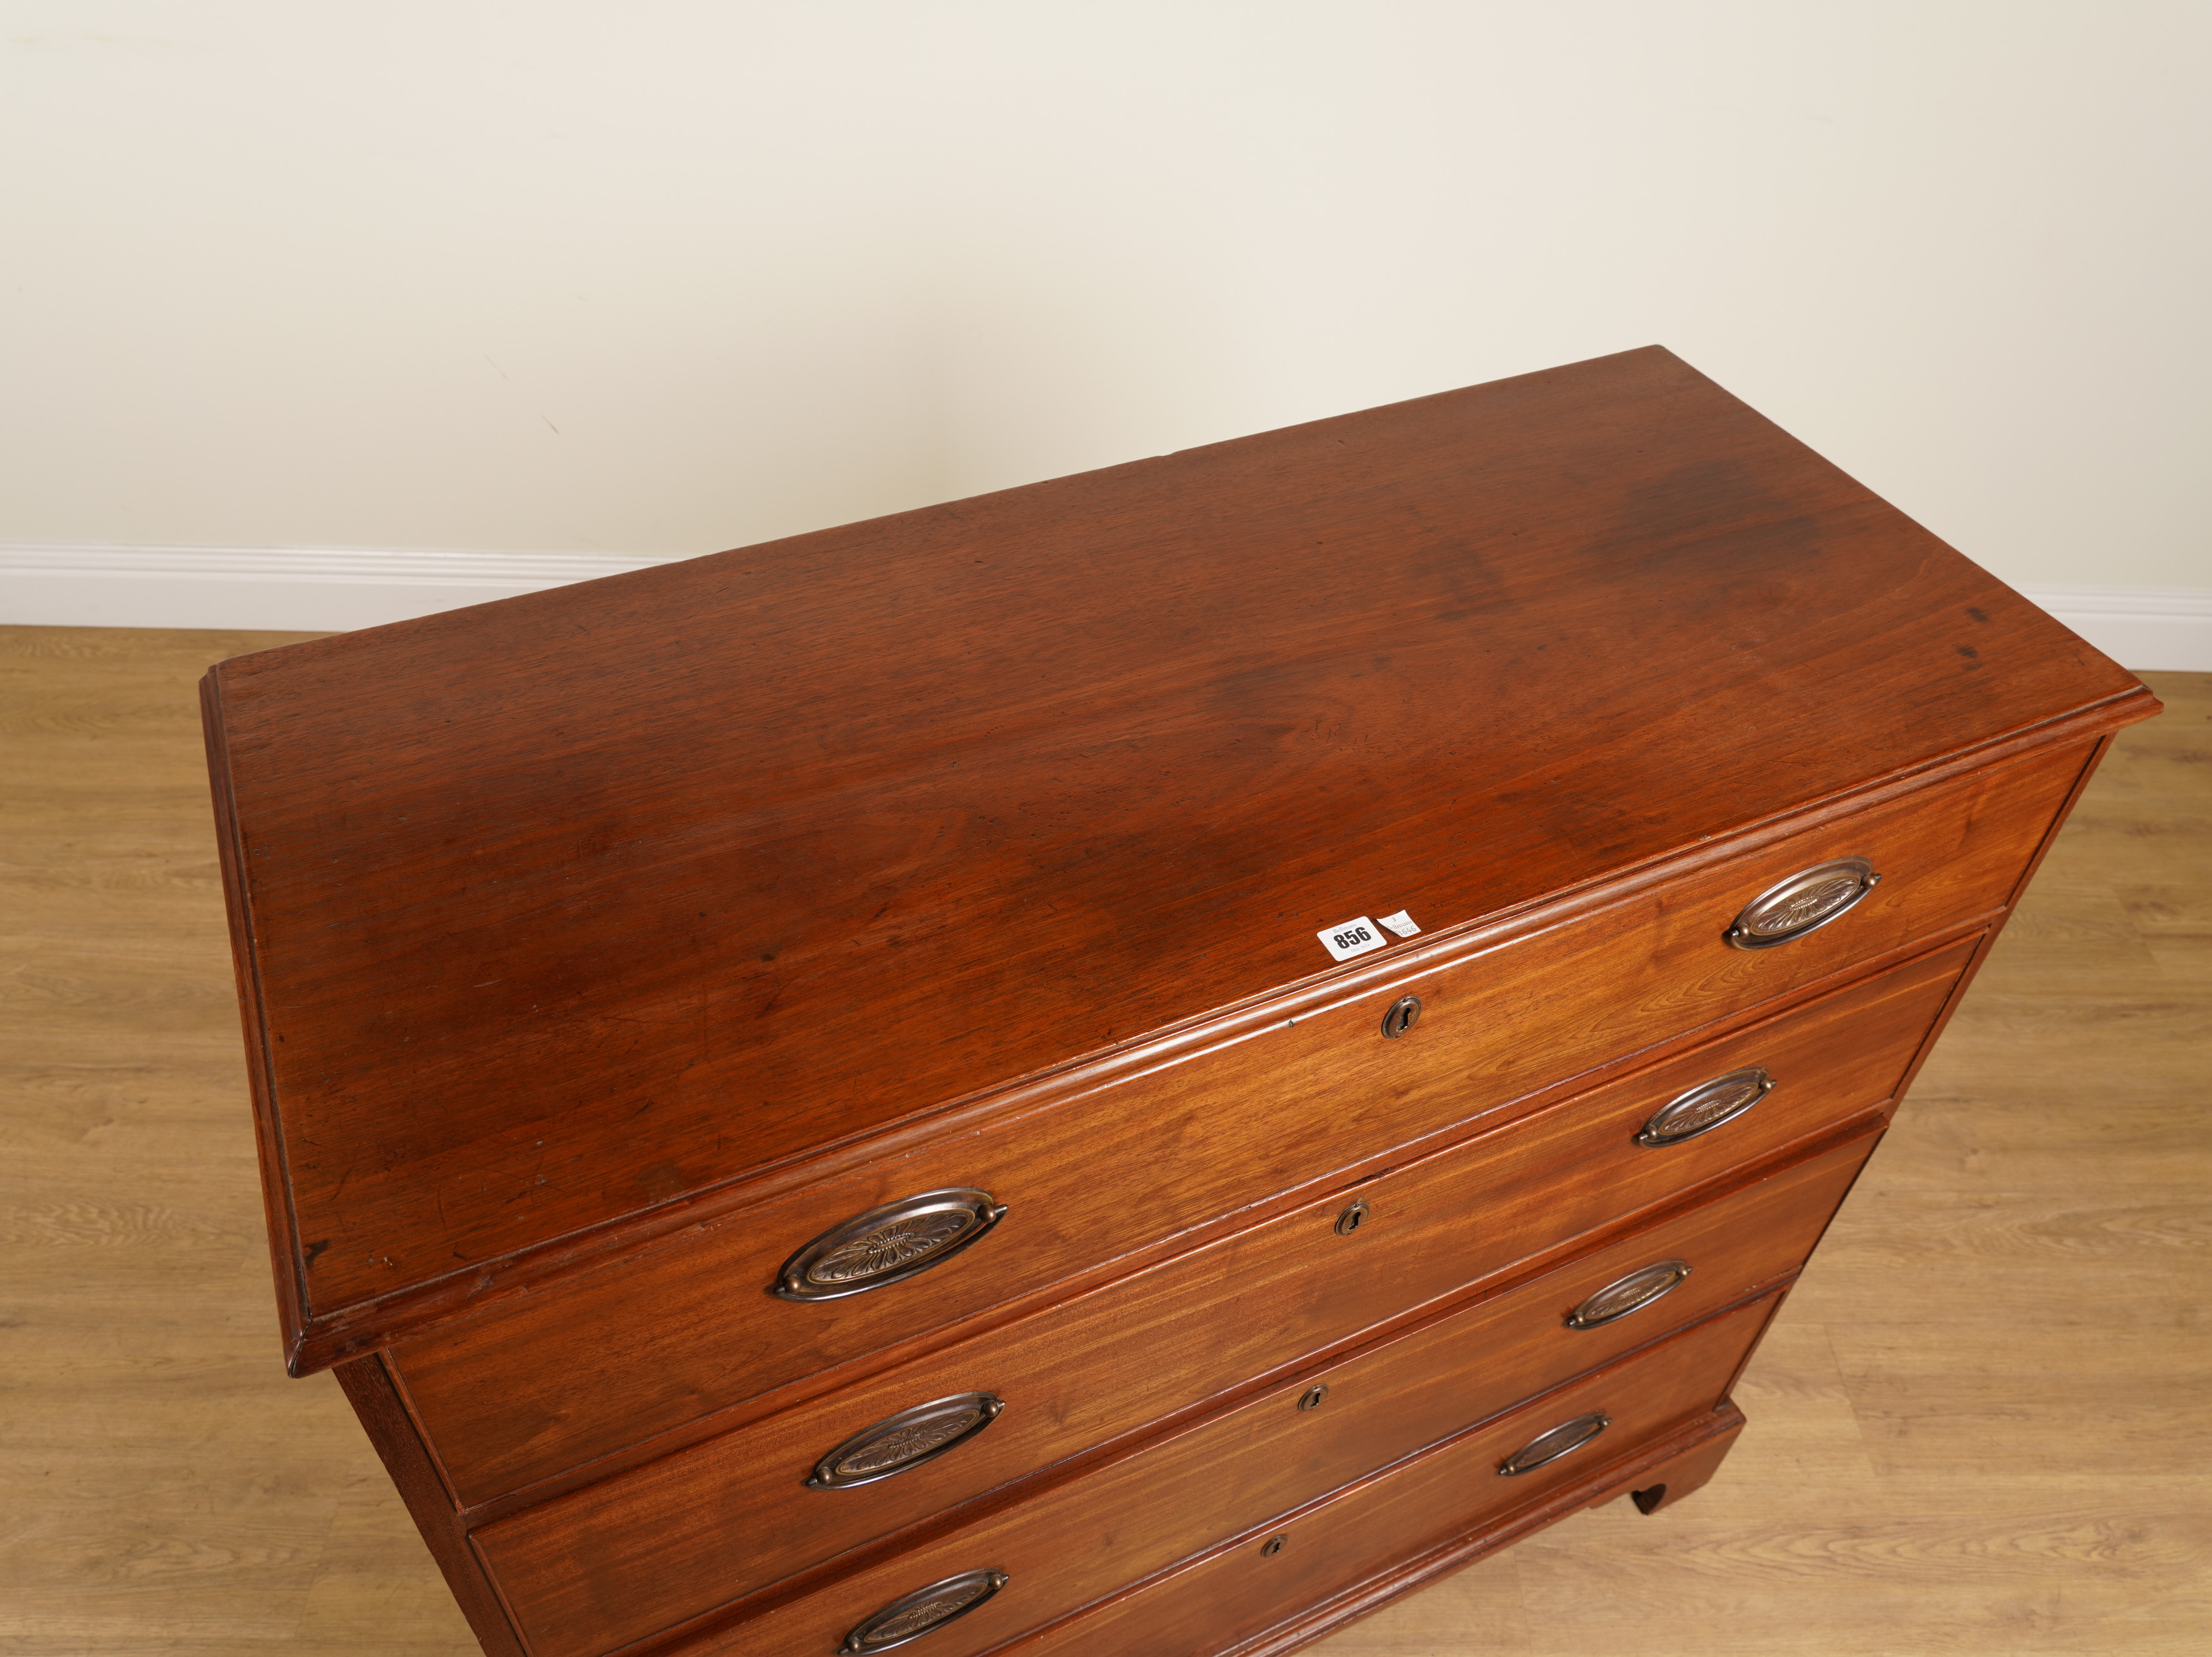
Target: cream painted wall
669, 276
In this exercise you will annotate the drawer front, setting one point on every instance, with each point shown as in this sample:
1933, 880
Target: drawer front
592, 1572
699, 1331
1202, 1609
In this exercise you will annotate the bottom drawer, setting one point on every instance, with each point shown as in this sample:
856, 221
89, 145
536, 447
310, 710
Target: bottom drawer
1091, 1534
1275, 1572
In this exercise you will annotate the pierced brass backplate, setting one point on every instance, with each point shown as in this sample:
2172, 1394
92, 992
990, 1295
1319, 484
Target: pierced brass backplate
926, 1610
1804, 903
905, 1440
1630, 1293
1547, 1446
1705, 1107
888, 1245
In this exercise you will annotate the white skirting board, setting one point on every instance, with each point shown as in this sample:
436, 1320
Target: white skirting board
2148, 629
295, 589
324, 591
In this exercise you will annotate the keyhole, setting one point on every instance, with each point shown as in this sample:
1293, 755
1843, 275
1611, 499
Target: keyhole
1312, 1398
1405, 1013
1272, 1545
1352, 1219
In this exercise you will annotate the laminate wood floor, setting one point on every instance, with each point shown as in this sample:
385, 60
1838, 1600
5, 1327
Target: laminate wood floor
1981, 1424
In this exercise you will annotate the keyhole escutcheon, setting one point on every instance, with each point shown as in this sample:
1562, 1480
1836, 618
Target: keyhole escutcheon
1405, 1013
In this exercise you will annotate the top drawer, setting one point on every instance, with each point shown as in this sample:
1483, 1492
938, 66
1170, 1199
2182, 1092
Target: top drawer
675, 1331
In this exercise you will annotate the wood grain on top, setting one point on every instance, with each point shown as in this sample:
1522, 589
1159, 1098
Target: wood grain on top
566, 906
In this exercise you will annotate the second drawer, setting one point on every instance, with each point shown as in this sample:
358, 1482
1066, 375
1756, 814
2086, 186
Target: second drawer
642, 1553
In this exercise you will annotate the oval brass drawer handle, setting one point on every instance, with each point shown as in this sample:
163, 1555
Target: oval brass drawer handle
1630, 1293
905, 1440
1707, 1107
1562, 1440
1804, 903
923, 1612
888, 1245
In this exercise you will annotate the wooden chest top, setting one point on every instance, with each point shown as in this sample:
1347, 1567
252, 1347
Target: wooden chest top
566, 909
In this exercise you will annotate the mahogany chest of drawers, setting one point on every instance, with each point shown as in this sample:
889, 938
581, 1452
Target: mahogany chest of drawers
1135, 1064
